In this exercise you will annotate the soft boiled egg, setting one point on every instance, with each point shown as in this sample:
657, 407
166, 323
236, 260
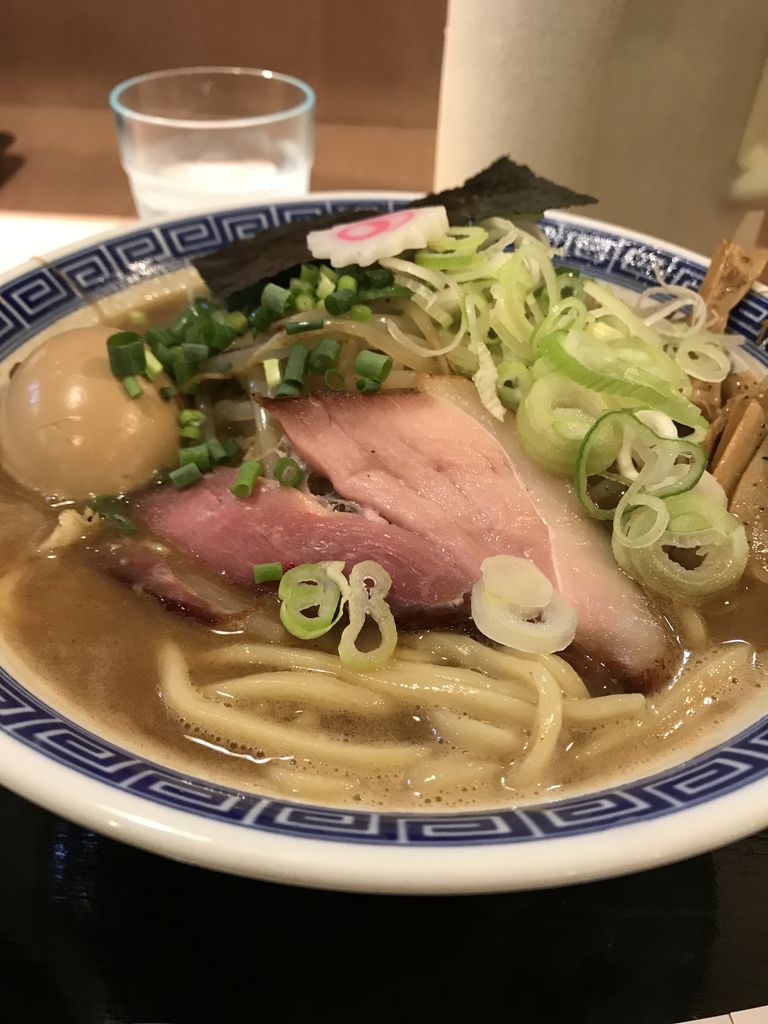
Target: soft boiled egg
69, 429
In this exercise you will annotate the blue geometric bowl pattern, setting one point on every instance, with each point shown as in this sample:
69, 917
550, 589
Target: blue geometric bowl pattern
39, 297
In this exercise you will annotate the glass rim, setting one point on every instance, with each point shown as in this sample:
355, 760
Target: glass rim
125, 111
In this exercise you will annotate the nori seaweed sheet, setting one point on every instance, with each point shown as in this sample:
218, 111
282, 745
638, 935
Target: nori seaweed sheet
239, 271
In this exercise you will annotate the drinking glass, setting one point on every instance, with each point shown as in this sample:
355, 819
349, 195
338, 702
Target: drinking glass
213, 136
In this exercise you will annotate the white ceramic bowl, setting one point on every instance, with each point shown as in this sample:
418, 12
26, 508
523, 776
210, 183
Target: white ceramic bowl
711, 799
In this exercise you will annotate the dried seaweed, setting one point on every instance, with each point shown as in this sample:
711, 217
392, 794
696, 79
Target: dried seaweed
238, 272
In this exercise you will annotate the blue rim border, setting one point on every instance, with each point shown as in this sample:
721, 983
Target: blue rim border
39, 297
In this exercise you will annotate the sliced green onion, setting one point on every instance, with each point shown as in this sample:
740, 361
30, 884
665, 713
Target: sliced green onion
261, 318
267, 572
112, 508
295, 371
185, 476
621, 454
193, 352
189, 316
278, 300
392, 291
192, 432
309, 588
300, 326
205, 306
373, 365
231, 447
325, 284
340, 302
132, 386
325, 355
594, 364
127, 355
460, 239
214, 336
369, 584
168, 392
183, 373
237, 322
366, 386
377, 277
514, 381
288, 472
272, 372
304, 303
246, 478
154, 367
193, 416
553, 419
217, 452
444, 261
334, 380
287, 390
346, 283
360, 312
309, 273
197, 454
698, 526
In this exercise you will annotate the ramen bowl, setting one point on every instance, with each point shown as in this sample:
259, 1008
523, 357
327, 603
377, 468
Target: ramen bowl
55, 758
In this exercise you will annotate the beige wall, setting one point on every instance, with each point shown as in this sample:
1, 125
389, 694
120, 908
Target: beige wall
375, 68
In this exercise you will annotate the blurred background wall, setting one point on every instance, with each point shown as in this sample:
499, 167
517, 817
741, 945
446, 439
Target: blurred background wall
374, 66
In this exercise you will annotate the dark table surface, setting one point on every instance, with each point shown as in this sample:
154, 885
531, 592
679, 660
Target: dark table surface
94, 932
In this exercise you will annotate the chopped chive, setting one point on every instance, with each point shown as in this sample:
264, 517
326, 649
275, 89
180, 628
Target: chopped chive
373, 365
127, 355
260, 319
378, 277
160, 349
288, 472
304, 303
298, 287
231, 447
247, 475
267, 572
191, 432
360, 312
237, 322
340, 302
191, 416
391, 291
334, 380
324, 288
159, 336
132, 386
185, 476
346, 283
278, 300
286, 390
295, 371
194, 352
154, 367
183, 374
324, 355
168, 392
217, 452
179, 327
112, 508
368, 386
197, 454
300, 326
308, 273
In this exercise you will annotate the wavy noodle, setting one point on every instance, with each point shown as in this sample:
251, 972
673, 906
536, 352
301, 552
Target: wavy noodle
510, 711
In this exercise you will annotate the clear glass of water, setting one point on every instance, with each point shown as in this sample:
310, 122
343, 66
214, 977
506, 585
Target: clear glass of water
213, 136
